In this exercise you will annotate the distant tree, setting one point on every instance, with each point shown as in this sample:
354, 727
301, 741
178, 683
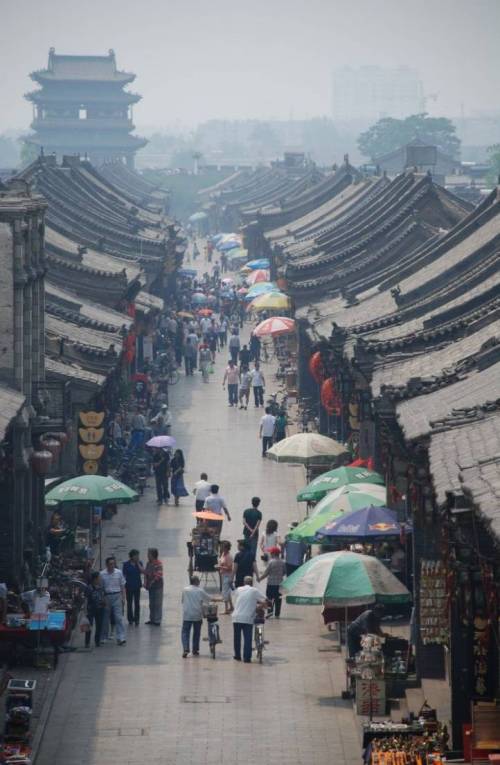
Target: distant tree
389, 134
494, 158
29, 152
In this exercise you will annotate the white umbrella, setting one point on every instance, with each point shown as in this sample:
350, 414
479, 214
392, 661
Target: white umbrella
306, 448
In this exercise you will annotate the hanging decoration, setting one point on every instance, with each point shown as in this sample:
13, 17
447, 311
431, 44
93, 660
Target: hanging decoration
316, 367
330, 398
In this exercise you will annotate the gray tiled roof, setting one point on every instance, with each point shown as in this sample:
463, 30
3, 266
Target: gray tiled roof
433, 363
60, 369
418, 415
462, 448
11, 402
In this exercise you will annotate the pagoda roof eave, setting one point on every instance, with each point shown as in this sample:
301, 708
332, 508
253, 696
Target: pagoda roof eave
44, 75
75, 96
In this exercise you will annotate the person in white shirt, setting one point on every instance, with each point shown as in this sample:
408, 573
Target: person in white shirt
216, 504
266, 430
258, 385
38, 601
193, 598
247, 600
113, 582
201, 491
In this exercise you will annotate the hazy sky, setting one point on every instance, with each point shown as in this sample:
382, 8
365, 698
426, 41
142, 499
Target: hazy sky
200, 59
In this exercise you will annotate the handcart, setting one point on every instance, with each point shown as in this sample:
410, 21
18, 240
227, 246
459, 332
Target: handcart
203, 552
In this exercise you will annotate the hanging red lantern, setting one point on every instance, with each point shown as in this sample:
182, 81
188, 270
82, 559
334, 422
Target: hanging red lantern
52, 445
316, 367
330, 399
41, 461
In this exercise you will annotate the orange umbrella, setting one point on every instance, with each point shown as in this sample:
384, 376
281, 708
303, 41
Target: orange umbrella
276, 325
207, 515
205, 312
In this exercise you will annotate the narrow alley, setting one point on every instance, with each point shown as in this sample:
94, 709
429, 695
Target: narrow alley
143, 703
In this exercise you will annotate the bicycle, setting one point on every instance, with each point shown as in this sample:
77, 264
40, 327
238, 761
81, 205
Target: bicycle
260, 618
210, 614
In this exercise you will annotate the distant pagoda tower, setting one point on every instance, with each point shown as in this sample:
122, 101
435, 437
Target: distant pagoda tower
82, 108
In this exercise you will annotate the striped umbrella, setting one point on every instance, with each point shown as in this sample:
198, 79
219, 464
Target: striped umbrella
276, 325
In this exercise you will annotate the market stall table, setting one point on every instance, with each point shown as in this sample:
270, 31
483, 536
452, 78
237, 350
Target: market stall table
34, 633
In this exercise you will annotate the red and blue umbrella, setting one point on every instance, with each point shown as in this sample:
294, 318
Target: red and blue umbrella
366, 523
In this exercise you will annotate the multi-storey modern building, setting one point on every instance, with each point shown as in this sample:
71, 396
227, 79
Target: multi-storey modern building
82, 108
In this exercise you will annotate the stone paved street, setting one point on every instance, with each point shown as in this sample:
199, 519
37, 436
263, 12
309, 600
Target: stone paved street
143, 703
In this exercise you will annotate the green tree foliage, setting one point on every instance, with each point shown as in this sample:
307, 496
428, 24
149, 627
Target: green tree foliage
494, 158
389, 134
29, 153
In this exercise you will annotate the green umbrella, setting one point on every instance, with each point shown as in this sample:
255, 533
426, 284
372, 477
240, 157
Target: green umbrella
337, 503
91, 489
344, 579
341, 476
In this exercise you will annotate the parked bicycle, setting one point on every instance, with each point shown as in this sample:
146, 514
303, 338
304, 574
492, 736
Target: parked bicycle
260, 618
210, 613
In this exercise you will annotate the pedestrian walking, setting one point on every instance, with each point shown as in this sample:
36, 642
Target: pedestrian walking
96, 607
234, 345
269, 539
222, 330
193, 598
252, 518
161, 470
114, 586
216, 504
190, 356
226, 573
258, 384
232, 376
201, 491
280, 426
153, 582
133, 569
266, 430
244, 563
205, 361
177, 466
138, 429
245, 357
255, 347
245, 383
247, 600
275, 572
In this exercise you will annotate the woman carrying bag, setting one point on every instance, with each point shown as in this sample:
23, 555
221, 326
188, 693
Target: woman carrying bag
177, 476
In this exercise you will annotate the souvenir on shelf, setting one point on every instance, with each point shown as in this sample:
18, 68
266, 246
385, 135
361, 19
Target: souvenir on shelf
434, 602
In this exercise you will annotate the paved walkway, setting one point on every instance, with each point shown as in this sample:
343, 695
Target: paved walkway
143, 703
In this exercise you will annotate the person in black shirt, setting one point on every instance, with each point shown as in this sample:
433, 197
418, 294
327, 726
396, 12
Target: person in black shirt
161, 467
96, 605
244, 563
252, 518
367, 623
245, 357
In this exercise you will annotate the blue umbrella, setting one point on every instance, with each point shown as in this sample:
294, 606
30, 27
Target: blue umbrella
187, 272
231, 244
259, 263
199, 298
362, 524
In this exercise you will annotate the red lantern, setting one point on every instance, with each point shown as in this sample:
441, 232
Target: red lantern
330, 399
41, 461
316, 367
52, 445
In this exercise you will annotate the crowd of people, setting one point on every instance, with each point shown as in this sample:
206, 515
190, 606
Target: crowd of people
190, 338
